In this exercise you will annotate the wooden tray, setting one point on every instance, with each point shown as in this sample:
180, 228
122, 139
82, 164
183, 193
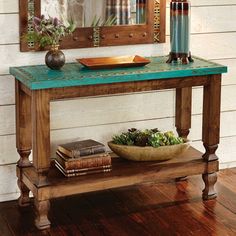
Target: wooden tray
113, 62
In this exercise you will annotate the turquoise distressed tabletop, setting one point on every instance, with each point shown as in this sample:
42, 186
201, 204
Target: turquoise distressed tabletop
74, 74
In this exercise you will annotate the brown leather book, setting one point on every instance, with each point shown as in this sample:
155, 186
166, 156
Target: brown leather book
80, 173
97, 160
68, 171
81, 148
58, 165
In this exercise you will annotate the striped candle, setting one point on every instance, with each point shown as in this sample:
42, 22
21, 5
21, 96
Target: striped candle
180, 31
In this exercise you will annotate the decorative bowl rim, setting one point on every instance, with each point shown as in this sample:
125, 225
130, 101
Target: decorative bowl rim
186, 141
148, 153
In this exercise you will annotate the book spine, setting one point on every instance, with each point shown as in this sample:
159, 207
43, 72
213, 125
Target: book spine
88, 151
58, 165
65, 151
83, 173
88, 163
88, 169
88, 172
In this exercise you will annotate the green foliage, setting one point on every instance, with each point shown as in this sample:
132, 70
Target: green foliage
148, 137
41, 40
49, 31
111, 20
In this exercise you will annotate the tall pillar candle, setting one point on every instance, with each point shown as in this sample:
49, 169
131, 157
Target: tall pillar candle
180, 31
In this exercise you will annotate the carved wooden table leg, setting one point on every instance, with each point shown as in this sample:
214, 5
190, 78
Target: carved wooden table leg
23, 139
209, 191
211, 130
41, 211
24, 199
41, 150
41, 134
183, 107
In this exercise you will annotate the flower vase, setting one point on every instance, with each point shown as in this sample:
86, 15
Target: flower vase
180, 32
55, 58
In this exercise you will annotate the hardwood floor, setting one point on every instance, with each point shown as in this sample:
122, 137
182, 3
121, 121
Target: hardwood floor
161, 209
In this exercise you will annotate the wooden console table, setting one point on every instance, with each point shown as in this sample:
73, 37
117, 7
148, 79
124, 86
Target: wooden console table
36, 86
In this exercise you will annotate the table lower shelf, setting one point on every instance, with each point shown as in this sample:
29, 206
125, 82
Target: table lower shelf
124, 173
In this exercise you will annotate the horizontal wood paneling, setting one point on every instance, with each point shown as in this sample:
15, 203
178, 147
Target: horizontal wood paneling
230, 77
226, 151
9, 25
118, 109
228, 98
210, 19
219, 46
93, 111
7, 90
104, 133
227, 128
214, 46
8, 6
8, 152
104, 110
8, 186
11, 56
7, 120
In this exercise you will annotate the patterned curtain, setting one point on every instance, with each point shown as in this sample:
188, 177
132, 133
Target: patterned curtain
120, 9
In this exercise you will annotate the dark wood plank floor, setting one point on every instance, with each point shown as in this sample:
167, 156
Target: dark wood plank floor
160, 209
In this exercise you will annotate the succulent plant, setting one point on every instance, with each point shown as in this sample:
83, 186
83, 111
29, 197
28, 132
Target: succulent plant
147, 137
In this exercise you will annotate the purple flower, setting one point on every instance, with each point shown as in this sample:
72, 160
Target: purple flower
50, 30
36, 20
56, 21
37, 28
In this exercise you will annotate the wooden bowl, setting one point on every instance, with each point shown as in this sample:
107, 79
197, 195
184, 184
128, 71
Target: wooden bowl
136, 153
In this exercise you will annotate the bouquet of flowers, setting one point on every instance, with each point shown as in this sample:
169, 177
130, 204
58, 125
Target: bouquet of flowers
49, 31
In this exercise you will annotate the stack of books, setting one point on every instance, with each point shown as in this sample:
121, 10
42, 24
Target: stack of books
82, 158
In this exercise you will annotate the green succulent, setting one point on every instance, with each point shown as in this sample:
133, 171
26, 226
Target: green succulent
97, 22
147, 137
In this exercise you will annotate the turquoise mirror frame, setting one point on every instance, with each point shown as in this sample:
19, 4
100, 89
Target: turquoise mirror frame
151, 32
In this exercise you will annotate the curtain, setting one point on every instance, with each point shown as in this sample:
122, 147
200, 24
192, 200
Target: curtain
76, 11
119, 9
140, 11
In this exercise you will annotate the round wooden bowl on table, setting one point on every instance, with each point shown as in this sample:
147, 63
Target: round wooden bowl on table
136, 153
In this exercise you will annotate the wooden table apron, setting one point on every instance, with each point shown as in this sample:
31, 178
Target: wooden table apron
33, 127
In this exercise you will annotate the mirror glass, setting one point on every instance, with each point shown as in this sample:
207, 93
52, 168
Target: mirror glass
92, 13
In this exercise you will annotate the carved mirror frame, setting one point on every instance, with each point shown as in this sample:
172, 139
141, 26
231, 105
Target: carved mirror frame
151, 32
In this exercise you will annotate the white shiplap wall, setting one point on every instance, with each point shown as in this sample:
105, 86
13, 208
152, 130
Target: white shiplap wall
213, 37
